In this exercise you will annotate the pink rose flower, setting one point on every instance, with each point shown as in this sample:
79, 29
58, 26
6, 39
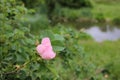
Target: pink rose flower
45, 49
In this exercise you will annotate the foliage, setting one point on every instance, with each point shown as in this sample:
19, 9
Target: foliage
116, 20
22, 29
19, 59
35, 21
53, 8
57, 10
100, 17
107, 1
75, 3
108, 11
73, 14
52, 3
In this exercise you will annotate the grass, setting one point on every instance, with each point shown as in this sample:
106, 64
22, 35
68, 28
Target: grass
104, 55
108, 10
109, 50
107, 1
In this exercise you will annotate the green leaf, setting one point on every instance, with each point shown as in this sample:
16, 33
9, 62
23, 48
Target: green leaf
58, 37
53, 71
21, 57
58, 48
47, 33
57, 43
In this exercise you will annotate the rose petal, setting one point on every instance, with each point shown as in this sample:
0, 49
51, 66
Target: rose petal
48, 55
40, 49
46, 41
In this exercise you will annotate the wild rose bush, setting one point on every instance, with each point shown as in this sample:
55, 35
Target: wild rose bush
19, 59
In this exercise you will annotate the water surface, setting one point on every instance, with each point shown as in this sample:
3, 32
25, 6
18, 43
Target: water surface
100, 34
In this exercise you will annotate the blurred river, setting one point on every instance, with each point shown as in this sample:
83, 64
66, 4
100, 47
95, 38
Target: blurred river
100, 34
99, 31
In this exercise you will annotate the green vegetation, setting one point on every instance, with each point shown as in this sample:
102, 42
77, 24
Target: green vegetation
18, 57
105, 55
88, 11
109, 10
23, 24
101, 11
